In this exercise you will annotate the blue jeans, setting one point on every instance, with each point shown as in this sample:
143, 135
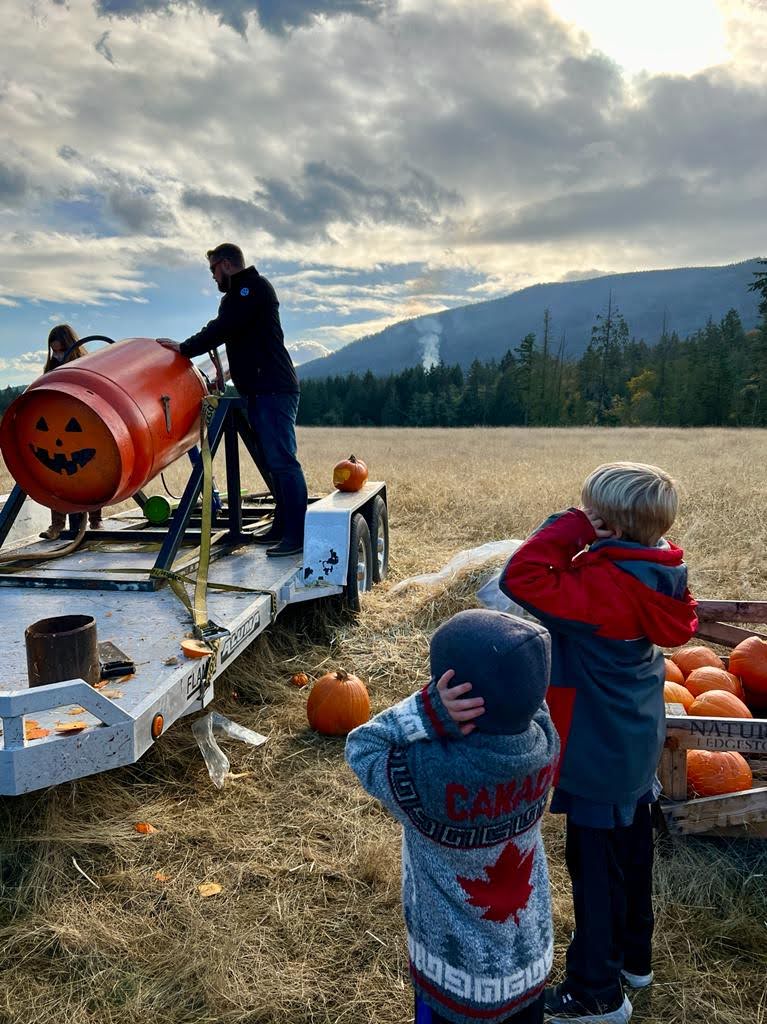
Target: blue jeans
273, 419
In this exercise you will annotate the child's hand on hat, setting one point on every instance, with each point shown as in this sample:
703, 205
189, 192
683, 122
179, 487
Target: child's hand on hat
601, 529
461, 709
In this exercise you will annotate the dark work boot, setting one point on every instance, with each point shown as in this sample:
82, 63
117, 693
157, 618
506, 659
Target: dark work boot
58, 525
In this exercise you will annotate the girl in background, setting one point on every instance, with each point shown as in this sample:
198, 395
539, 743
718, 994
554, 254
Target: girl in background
60, 340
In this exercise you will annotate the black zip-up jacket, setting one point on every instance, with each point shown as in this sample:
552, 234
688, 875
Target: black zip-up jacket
248, 323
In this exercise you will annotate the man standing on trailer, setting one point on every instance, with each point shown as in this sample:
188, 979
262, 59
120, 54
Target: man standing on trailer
248, 324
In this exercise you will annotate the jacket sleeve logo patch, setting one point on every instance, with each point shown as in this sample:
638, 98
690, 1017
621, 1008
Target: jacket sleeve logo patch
244, 292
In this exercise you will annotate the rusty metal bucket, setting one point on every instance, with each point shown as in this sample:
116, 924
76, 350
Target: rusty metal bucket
60, 648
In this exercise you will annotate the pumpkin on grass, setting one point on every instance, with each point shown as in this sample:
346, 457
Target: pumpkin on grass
719, 704
713, 773
350, 474
749, 661
709, 678
675, 693
689, 658
338, 703
674, 674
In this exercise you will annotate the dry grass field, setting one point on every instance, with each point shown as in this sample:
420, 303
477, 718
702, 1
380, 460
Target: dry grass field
307, 929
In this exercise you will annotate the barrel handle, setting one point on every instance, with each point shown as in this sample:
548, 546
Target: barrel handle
82, 341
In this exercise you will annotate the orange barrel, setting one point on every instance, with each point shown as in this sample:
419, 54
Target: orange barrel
93, 431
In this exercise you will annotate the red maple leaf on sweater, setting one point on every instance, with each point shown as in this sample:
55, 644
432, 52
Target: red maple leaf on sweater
507, 889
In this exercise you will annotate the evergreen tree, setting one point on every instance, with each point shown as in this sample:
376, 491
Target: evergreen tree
525, 353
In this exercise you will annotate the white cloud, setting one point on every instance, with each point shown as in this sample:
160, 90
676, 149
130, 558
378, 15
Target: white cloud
484, 138
24, 363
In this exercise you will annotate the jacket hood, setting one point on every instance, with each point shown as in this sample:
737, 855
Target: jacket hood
662, 604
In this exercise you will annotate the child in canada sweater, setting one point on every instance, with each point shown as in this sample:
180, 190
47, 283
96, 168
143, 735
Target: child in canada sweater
470, 797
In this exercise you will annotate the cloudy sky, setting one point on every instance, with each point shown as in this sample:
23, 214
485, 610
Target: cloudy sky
376, 159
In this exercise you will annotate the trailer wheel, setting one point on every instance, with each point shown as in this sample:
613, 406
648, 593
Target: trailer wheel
359, 576
379, 538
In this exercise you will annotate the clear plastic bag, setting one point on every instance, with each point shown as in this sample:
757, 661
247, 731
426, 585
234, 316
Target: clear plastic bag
490, 595
469, 558
215, 759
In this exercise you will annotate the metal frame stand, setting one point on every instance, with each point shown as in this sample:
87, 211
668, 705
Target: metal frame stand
230, 424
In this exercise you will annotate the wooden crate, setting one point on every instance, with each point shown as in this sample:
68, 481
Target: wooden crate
741, 814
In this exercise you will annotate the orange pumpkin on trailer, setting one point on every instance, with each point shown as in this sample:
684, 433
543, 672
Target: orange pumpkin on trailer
350, 474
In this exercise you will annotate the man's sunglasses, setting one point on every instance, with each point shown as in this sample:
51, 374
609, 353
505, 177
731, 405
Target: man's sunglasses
214, 265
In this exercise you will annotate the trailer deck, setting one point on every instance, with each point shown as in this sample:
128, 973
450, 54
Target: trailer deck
122, 719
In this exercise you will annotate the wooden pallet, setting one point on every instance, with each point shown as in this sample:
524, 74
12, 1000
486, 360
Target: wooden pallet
742, 814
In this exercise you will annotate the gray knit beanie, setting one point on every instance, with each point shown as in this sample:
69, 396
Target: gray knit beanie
506, 659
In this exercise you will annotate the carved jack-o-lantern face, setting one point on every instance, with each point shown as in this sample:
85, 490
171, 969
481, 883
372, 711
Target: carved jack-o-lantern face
72, 452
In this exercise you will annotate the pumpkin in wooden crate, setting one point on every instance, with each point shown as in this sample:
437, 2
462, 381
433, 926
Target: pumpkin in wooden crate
719, 704
714, 772
675, 693
350, 474
338, 703
749, 661
709, 678
689, 658
674, 674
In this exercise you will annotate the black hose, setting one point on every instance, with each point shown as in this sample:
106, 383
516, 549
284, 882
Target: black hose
82, 341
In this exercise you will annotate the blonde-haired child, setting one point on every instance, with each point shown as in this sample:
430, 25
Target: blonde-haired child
609, 587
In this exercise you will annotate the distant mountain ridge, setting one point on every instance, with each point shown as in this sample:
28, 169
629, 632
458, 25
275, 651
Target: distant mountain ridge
687, 297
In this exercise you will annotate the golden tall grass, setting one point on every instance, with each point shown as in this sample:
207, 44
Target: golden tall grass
307, 927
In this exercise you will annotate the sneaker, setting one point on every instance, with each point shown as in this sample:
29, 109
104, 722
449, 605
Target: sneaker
97, 524
561, 1006
637, 980
52, 533
284, 548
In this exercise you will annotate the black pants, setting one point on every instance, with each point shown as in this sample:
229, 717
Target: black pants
611, 872
532, 1014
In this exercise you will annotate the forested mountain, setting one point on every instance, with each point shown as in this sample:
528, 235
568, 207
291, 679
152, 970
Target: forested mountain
715, 377
682, 300
7, 395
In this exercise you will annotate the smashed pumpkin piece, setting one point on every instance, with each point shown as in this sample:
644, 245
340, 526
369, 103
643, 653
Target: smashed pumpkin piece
195, 648
209, 889
144, 828
160, 876
76, 711
32, 731
71, 726
113, 694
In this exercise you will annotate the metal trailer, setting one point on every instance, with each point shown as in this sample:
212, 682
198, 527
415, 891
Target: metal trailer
345, 552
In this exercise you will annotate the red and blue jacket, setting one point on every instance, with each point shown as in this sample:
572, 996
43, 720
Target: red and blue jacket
607, 604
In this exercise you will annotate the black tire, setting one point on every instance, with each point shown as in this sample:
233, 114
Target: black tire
379, 538
359, 575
